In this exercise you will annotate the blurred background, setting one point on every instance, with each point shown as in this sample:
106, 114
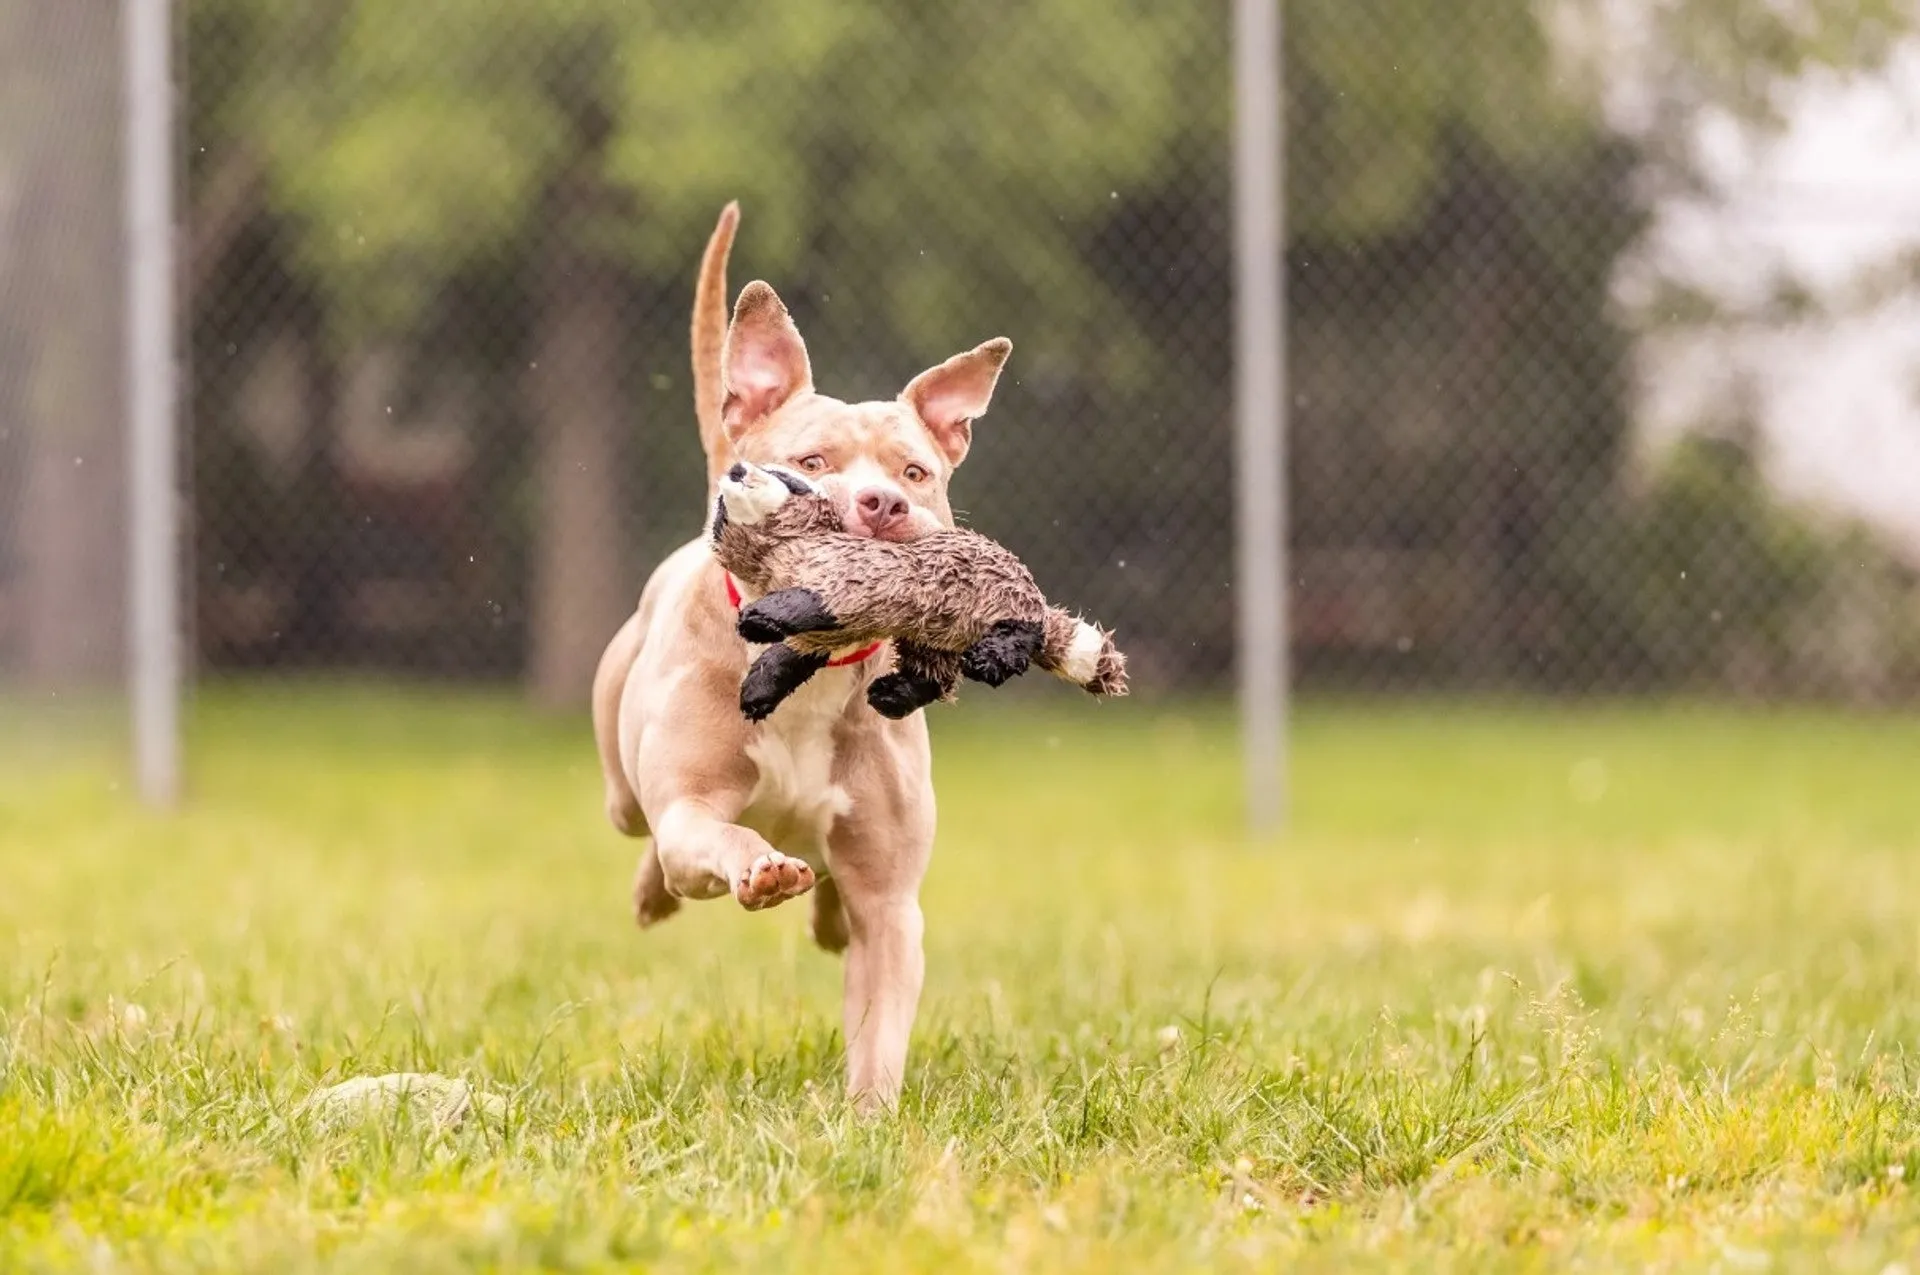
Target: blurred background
1604, 366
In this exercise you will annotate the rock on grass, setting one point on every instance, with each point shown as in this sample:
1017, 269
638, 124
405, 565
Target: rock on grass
446, 1101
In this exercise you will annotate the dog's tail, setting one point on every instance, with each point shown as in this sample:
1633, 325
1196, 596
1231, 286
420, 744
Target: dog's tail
710, 342
1082, 653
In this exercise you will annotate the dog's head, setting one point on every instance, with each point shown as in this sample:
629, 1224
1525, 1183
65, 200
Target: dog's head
885, 466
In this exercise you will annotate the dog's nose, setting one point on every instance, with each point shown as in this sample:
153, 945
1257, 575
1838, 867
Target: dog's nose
880, 508
738, 473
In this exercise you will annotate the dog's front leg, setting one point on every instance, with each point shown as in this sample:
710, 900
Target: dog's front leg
886, 966
703, 854
879, 855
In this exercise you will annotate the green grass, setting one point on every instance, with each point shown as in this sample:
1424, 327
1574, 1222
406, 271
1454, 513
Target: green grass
1525, 988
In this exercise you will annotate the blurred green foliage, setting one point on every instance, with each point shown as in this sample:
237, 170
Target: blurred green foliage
919, 177
406, 143
1731, 584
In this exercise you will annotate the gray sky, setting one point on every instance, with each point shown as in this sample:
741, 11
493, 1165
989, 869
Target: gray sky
1829, 201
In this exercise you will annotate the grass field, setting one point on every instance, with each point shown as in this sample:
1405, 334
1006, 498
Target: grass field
1524, 989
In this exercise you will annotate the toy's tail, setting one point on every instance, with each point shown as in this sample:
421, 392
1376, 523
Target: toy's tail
1082, 653
710, 342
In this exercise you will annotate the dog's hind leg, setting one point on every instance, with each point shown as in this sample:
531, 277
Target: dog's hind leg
829, 917
652, 901
609, 685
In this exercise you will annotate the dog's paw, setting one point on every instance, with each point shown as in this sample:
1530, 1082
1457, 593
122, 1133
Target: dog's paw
1003, 654
782, 614
650, 907
652, 901
899, 695
771, 880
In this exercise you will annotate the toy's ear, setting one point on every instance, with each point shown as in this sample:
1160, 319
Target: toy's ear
766, 361
949, 397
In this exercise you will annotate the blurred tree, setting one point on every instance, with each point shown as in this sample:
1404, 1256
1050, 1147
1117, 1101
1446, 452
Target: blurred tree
60, 338
1668, 66
1726, 570
593, 141
1464, 183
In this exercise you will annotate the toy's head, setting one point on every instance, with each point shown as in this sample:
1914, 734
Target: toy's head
771, 503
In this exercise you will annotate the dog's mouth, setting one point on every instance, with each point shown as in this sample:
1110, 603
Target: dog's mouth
901, 534
920, 521
751, 491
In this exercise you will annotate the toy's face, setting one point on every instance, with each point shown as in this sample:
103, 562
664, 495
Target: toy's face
773, 498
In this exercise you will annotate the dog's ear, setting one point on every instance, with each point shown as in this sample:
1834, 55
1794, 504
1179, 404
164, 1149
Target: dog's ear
766, 361
948, 397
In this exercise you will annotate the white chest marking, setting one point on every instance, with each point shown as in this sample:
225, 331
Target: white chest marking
794, 797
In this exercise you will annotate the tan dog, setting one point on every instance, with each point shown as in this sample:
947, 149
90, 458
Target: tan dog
826, 789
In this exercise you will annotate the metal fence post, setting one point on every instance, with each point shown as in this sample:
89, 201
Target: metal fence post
1260, 405
153, 545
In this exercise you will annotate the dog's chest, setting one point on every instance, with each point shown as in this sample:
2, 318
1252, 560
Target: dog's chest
795, 799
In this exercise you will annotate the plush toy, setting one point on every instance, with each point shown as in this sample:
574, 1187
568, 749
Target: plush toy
953, 603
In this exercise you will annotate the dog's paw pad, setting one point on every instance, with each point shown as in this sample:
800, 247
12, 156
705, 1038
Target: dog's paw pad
771, 880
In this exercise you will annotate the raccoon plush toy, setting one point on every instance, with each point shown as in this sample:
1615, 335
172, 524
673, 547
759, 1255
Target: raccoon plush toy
953, 603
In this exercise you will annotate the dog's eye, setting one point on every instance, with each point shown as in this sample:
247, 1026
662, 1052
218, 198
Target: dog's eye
813, 464
915, 474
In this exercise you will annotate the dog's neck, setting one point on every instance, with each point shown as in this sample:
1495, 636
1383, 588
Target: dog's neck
738, 594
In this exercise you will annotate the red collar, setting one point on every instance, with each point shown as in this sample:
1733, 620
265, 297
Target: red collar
866, 652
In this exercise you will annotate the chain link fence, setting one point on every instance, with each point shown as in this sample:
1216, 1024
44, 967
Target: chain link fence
437, 264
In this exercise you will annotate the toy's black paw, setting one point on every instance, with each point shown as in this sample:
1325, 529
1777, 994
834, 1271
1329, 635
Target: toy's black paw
1004, 653
899, 695
778, 673
784, 613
